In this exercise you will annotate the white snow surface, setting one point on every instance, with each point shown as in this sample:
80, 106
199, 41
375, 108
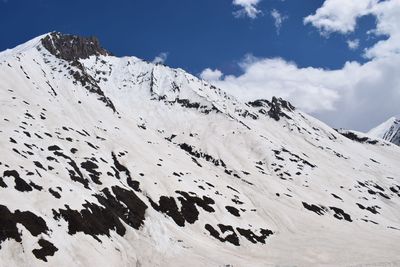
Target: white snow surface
272, 171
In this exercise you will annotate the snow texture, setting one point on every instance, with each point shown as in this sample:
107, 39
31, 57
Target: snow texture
109, 161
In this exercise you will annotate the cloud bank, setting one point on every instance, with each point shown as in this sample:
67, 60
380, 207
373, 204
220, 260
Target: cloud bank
357, 96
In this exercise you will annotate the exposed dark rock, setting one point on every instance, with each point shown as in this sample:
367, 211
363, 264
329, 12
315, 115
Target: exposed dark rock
188, 212
370, 209
259, 103
167, 205
187, 104
192, 151
75, 174
252, 237
232, 210
2, 183
20, 183
54, 148
335, 196
91, 168
54, 193
353, 136
8, 224
276, 106
47, 249
72, 47
96, 220
39, 165
340, 214
231, 238
320, 210
189, 203
135, 185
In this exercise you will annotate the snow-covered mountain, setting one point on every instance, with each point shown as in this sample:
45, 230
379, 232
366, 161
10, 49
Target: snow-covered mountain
389, 131
109, 161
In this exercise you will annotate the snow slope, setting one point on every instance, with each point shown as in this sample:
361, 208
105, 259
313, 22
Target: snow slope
109, 161
388, 130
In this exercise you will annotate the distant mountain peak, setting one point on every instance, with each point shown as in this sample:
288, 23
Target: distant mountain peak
72, 47
388, 130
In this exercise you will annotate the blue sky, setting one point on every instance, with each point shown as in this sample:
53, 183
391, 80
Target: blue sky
209, 34
195, 34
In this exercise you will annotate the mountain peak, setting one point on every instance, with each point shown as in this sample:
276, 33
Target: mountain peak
388, 130
72, 47
179, 172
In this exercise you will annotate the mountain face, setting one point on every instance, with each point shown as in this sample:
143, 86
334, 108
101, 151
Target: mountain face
389, 131
109, 161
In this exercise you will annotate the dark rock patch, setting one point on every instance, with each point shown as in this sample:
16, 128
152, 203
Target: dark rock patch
340, 214
47, 249
193, 152
189, 203
370, 209
276, 106
96, 220
75, 174
232, 210
91, 167
188, 212
320, 210
72, 47
92, 146
20, 183
2, 183
54, 193
231, 238
233, 189
383, 195
353, 136
167, 205
35, 186
39, 165
335, 196
237, 201
135, 185
252, 237
8, 224
54, 148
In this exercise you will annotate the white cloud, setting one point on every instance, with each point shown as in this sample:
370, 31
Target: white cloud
388, 24
264, 78
353, 44
340, 15
211, 75
278, 19
247, 8
357, 96
161, 58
